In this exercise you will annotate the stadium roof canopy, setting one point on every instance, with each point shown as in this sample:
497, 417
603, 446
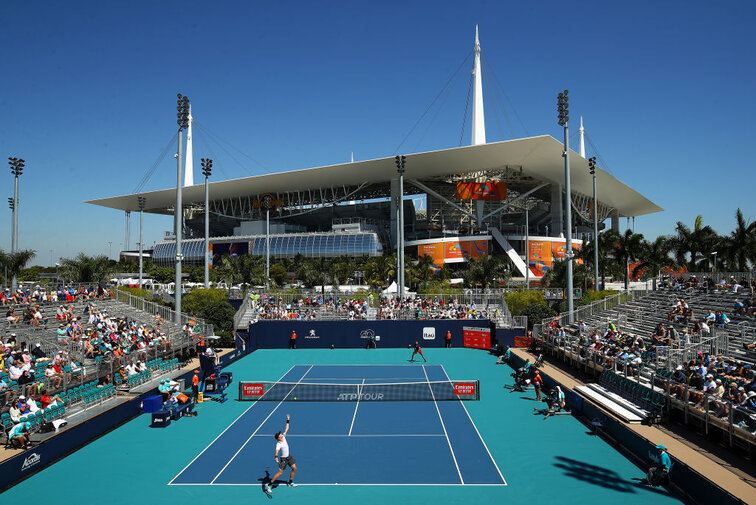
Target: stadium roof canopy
540, 158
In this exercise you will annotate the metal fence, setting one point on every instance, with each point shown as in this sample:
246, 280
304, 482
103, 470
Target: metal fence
596, 307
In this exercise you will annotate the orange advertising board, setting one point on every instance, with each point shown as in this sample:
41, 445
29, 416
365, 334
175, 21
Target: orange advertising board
543, 253
453, 250
482, 190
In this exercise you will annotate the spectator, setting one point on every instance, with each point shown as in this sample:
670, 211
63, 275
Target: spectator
20, 435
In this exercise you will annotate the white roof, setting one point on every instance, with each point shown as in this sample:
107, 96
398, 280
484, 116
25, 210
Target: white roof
540, 157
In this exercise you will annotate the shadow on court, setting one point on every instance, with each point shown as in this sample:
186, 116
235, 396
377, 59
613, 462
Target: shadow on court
600, 476
266, 480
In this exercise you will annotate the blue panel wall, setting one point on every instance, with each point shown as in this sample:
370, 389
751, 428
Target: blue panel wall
355, 334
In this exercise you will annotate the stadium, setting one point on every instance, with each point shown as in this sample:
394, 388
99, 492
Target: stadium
382, 398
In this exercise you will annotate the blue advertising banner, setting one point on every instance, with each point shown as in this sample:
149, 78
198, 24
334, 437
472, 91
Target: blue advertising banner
356, 334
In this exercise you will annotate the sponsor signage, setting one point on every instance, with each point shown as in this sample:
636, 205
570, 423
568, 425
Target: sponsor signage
312, 334
350, 397
478, 338
31, 460
367, 333
429, 333
464, 388
453, 250
543, 253
252, 389
482, 190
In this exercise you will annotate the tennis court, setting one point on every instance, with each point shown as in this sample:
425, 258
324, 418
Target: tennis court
552, 459
363, 440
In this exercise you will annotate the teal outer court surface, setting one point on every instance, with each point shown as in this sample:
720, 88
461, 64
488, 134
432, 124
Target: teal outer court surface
489, 451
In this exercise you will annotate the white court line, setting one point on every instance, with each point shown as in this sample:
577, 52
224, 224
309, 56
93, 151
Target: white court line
478, 432
379, 435
359, 395
420, 379
443, 425
258, 428
351, 484
224, 431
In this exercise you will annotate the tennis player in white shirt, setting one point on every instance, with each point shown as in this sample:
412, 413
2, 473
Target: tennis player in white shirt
286, 458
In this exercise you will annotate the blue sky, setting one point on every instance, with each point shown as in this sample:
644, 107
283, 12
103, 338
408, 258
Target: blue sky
88, 96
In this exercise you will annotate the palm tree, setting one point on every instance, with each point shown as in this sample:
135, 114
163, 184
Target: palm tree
13, 263
381, 271
740, 246
696, 244
606, 245
628, 247
422, 270
654, 256
486, 271
85, 268
557, 275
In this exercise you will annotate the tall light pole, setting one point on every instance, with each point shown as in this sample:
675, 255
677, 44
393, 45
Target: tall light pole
527, 246
17, 168
207, 170
564, 117
400, 161
266, 202
182, 107
592, 169
141, 201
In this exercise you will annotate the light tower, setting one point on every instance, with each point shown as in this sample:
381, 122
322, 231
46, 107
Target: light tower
564, 117
189, 166
592, 169
141, 201
182, 115
207, 170
17, 168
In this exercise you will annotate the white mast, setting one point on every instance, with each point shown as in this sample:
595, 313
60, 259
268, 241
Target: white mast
478, 121
189, 168
582, 138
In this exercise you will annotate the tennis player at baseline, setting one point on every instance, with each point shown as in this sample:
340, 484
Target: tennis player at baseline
285, 459
417, 350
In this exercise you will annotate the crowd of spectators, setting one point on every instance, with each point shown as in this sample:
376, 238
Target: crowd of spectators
40, 294
432, 308
417, 307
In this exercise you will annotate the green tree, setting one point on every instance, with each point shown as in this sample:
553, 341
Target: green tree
693, 247
654, 256
13, 263
278, 274
85, 268
486, 271
629, 247
740, 246
556, 277
211, 305
163, 275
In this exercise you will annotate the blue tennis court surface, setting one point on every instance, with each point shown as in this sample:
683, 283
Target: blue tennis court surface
352, 443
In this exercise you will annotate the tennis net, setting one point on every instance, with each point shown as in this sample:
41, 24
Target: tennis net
329, 392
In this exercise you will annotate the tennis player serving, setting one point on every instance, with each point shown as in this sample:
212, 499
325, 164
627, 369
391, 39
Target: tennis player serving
285, 459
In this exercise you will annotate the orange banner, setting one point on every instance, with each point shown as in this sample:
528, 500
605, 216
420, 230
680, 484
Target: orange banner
543, 253
482, 190
453, 250
523, 341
